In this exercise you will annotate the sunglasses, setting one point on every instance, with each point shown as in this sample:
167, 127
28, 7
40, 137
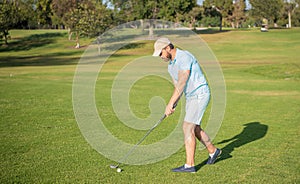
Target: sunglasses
162, 50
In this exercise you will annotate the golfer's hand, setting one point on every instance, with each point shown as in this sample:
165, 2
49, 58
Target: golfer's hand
169, 110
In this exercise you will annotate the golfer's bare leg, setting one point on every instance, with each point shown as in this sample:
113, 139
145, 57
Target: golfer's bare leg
204, 139
190, 142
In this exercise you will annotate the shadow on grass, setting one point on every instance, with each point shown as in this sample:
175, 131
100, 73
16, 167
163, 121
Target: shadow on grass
251, 132
187, 32
38, 59
210, 31
41, 60
32, 41
114, 46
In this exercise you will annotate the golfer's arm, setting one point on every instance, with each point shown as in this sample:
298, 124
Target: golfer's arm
183, 76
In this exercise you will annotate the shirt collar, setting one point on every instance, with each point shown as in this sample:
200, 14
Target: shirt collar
172, 62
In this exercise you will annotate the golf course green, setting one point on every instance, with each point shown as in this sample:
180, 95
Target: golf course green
42, 143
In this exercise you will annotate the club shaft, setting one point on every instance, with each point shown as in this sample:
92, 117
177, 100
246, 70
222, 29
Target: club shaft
143, 138
140, 141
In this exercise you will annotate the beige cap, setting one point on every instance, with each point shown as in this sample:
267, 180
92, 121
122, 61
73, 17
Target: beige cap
159, 45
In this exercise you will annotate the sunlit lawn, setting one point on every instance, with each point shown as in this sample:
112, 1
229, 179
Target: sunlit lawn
41, 142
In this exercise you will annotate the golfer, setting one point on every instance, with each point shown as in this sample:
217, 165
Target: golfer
189, 79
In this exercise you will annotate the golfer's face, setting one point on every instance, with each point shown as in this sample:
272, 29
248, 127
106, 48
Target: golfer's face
165, 55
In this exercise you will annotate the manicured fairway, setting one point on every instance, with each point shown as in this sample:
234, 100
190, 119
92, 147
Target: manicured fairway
42, 143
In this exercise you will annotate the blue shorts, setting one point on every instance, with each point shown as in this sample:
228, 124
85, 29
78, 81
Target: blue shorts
195, 107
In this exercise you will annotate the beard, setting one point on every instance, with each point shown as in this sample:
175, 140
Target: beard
168, 58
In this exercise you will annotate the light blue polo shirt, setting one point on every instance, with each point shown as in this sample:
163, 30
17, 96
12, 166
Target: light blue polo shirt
196, 83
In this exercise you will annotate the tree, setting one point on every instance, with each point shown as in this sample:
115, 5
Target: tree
238, 15
83, 17
182, 8
15, 14
167, 11
194, 15
94, 20
62, 9
44, 12
296, 14
28, 16
221, 8
10, 15
267, 9
136, 9
175, 10
126, 11
289, 7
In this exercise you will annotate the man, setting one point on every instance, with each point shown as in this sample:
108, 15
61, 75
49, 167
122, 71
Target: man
189, 79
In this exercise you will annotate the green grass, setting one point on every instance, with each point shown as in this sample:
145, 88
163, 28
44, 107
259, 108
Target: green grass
41, 142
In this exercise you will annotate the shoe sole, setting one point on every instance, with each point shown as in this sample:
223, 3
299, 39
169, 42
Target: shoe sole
183, 172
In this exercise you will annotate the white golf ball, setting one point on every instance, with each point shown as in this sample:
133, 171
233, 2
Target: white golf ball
119, 170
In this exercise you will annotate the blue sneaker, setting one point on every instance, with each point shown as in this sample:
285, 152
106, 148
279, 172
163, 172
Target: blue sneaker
183, 169
211, 160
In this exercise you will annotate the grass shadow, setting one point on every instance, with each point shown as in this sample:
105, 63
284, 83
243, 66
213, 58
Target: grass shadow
32, 41
210, 31
40, 60
199, 166
186, 32
112, 47
251, 132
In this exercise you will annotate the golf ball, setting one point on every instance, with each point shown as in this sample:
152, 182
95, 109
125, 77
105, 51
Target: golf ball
119, 170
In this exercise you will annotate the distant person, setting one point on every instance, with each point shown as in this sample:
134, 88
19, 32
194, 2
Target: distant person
189, 79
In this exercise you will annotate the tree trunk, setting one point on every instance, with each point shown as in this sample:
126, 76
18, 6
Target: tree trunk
5, 39
151, 29
232, 24
142, 24
290, 19
77, 41
70, 34
221, 19
5, 33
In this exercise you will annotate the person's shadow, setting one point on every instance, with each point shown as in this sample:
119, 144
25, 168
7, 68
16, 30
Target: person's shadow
251, 132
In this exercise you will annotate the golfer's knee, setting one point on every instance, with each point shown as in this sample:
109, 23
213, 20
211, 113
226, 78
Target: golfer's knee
189, 131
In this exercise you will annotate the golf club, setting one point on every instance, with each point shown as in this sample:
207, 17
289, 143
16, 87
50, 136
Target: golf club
140, 141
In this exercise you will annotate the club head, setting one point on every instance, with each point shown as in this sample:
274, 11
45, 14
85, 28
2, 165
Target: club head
114, 166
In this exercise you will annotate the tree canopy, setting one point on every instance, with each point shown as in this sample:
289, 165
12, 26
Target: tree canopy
267, 9
93, 17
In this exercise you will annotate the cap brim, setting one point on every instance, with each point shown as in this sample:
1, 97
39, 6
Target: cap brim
156, 53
